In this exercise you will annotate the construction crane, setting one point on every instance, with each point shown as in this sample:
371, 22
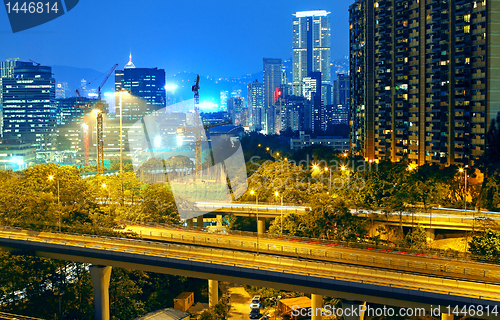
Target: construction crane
100, 106
197, 127
100, 127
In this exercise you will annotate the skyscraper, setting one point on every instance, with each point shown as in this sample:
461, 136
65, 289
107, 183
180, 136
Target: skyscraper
29, 111
311, 49
235, 107
146, 88
272, 81
423, 78
255, 97
339, 112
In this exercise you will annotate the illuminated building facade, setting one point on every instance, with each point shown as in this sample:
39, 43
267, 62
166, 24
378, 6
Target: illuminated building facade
255, 96
312, 49
146, 88
423, 78
272, 80
28, 102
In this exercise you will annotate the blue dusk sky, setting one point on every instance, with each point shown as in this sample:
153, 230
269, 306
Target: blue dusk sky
217, 38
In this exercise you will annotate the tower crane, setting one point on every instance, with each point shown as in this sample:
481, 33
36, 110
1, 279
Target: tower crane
198, 128
99, 122
100, 127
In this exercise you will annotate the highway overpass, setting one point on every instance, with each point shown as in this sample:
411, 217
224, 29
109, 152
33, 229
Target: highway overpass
435, 218
380, 277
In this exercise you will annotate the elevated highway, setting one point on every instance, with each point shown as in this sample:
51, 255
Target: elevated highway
435, 218
375, 276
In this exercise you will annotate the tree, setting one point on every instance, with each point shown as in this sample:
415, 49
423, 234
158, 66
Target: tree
489, 164
415, 239
486, 245
159, 204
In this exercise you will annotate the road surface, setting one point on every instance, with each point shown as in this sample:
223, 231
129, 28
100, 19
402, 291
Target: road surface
240, 304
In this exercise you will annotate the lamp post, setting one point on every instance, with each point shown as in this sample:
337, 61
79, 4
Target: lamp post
109, 197
464, 170
58, 200
252, 192
277, 194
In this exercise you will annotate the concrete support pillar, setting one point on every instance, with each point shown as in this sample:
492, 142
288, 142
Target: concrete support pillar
430, 235
261, 225
317, 306
354, 312
219, 220
190, 222
100, 280
199, 221
213, 292
445, 316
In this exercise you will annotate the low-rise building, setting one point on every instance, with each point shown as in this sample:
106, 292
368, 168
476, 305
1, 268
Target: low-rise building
293, 306
15, 155
166, 314
184, 301
305, 140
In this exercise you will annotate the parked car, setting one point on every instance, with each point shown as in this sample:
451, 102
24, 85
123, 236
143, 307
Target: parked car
255, 313
255, 302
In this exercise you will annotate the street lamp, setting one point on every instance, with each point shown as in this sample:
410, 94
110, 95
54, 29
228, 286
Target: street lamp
464, 170
277, 194
252, 192
109, 197
51, 177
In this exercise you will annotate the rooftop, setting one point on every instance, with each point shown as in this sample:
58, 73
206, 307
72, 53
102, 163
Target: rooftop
165, 314
311, 13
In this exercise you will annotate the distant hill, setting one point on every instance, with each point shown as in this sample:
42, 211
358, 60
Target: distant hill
73, 77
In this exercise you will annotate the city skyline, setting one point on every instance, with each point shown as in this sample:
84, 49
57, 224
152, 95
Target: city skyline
203, 43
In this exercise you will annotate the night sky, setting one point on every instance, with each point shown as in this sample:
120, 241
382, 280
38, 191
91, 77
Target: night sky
218, 38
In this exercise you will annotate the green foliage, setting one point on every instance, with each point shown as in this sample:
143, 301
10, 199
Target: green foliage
329, 218
415, 239
486, 245
159, 205
217, 312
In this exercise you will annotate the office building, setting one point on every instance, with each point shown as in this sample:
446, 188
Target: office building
223, 100
255, 97
236, 109
341, 90
7, 67
338, 112
16, 155
146, 91
61, 88
312, 49
28, 102
423, 84
272, 81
